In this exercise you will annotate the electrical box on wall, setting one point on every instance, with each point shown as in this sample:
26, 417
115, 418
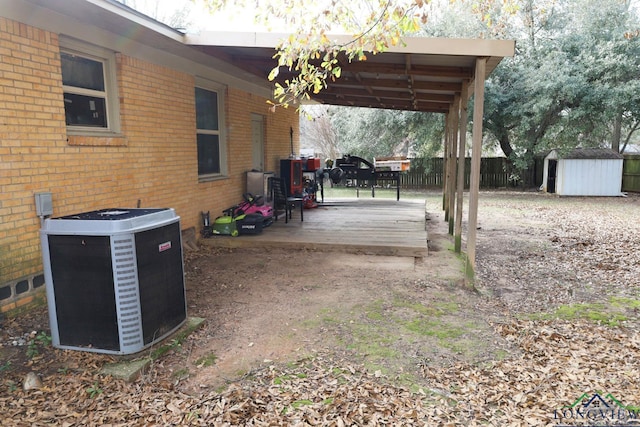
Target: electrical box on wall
44, 204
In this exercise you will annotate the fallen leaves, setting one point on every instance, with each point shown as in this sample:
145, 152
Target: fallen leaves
562, 255
559, 362
536, 252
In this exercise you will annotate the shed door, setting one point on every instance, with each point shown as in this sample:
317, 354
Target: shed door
551, 176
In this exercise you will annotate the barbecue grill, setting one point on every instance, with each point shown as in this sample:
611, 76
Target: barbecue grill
358, 172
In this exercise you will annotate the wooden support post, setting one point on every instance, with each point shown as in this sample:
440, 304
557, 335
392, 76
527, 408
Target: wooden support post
445, 169
455, 120
476, 154
462, 136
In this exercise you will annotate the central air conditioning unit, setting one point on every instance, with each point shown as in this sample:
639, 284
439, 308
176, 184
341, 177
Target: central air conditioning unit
114, 279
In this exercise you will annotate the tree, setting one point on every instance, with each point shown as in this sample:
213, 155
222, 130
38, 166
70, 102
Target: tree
316, 129
371, 133
615, 71
572, 83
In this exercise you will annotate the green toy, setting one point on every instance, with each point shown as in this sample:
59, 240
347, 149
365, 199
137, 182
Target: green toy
226, 225
235, 222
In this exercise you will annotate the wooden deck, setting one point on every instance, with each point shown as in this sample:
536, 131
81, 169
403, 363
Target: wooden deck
359, 225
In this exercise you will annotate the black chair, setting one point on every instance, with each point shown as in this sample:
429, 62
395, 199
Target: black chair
282, 200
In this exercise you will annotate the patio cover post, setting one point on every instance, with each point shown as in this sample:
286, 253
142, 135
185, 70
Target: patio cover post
476, 154
462, 137
455, 120
445, 168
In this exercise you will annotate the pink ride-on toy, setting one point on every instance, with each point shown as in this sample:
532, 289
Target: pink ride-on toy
254, 204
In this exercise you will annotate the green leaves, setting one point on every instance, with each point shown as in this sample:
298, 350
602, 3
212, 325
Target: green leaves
373, 133
573, 83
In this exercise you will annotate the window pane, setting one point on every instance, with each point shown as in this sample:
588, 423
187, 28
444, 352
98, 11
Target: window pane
206, 109
82, 72
208, 154
83, 110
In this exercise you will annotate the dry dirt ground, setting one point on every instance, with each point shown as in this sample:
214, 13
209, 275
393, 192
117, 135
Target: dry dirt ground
325, 338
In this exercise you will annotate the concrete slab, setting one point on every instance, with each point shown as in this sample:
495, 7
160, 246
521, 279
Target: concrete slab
130, 369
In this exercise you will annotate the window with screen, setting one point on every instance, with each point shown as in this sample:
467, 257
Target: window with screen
211, 148
88, 83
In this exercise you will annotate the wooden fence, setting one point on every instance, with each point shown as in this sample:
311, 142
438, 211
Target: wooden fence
428, 173
631, 173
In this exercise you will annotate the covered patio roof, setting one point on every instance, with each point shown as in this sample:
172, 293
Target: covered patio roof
424, 74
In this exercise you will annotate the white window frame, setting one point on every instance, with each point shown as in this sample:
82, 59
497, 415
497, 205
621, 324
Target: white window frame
112, 105
220, 90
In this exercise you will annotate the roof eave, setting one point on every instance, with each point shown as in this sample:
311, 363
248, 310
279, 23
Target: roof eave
416, 45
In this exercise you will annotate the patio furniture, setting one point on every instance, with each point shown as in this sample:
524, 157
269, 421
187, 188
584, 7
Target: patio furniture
283, 201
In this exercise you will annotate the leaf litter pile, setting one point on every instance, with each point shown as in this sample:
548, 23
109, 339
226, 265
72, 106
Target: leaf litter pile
557, 363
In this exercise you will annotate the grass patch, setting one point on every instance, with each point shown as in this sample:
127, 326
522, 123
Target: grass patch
446, 307
181, 373
375, 311
435, 328
626, 303
374, 350
165, 348
436, 308
284, 378
418, 308
463, 346
328, 316
595, 312
611, 313
334, 192
205, 361
382, 332
501, 354
179, 337
372, 341
303, 402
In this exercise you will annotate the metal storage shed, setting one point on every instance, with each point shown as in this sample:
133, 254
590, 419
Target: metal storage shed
583, 172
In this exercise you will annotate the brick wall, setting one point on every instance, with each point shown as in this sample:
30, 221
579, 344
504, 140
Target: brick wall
153, 163
32, 140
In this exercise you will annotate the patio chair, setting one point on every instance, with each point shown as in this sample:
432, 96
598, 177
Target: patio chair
282, 200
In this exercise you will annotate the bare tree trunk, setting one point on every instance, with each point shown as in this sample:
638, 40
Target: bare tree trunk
617, 132
505, 145
630, 133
